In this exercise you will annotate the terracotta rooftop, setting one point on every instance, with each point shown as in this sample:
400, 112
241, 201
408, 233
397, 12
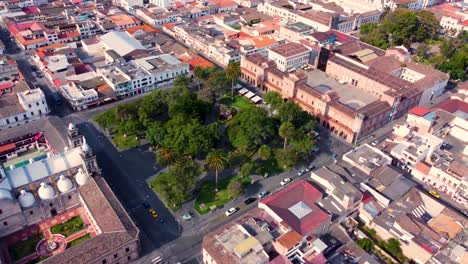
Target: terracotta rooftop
295, 205
453, 105
419, 111
289, 239
289, 49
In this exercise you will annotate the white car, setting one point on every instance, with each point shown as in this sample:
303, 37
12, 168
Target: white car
375, 143
231, 211
285, 181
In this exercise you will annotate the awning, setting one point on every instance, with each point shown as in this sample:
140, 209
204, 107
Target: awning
243, 91
256, 99
249, 95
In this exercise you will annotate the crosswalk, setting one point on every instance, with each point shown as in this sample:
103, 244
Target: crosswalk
157, 260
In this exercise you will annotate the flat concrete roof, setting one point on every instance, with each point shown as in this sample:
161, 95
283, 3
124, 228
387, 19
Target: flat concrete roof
349, 95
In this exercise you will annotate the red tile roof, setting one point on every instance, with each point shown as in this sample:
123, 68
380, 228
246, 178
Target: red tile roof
419, 111
300, 191
169, 25
423, 167
453, 105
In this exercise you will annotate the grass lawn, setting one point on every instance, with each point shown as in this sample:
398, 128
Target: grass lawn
209, 197
25, 248
239, 102
157, 185
68, 228
78, 240
122, 142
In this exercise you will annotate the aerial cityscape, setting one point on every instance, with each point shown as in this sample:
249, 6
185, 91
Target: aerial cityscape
234, 131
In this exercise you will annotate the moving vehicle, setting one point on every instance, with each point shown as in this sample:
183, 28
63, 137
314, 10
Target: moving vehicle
250, 200
231, 211
434, 193
153, 213
187, 216
285, 181
262, 194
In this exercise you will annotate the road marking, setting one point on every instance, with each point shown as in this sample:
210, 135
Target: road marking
156, 260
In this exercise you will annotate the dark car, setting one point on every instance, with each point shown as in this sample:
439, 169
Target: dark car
146, 205
33, 68
250, 200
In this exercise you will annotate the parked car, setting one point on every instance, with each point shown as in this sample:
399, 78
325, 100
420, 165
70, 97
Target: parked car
250, 200
375, 143
311, 167
285, 181
146, 205
315, 149
33, 68
262, 194
301, 171
153, 213
231, 211
434, 193
314, 134
187, 216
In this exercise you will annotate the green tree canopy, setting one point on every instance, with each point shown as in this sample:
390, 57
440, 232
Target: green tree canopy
250, 128
366, 244
235, 188
401, 27
264, 152
189, 137
273, 99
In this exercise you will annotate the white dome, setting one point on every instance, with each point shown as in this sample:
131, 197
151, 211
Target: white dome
46, 191
81, 177
64, 184
71, 126
5, 194
26, 199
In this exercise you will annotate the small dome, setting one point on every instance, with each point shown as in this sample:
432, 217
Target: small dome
64, 184
81, 177
71, 126
46, 191
26, 199
5, 194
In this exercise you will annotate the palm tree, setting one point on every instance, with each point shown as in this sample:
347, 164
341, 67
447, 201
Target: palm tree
216, 161
286, 131
199, 73
264, 152
233, 72
167, 156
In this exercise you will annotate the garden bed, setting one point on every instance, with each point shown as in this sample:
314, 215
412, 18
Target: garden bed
25, 248
239, 102
78, 240
68, 228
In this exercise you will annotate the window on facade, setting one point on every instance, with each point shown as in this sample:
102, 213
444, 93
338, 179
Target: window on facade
32, 113
5, 223
1, 211
116, 255
69, 197
127, 249
7, 121
29, 105
37, 103
51, 204
31, 212
104, 261
16, 118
